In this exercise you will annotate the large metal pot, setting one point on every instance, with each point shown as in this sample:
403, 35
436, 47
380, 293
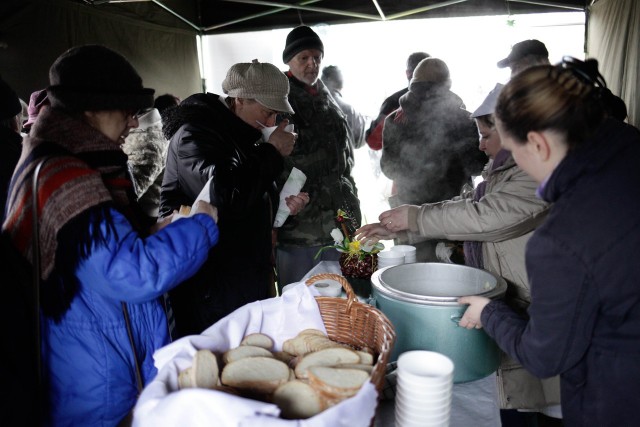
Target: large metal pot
420, 300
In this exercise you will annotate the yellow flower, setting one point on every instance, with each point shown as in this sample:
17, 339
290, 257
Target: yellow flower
354, 246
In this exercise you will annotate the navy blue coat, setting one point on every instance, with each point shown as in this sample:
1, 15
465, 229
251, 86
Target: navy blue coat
585, 284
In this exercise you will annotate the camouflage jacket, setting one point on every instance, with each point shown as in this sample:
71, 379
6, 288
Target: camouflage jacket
324, 153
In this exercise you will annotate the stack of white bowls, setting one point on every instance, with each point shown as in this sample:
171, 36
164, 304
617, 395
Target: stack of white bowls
389, 258
408, 251
423, 389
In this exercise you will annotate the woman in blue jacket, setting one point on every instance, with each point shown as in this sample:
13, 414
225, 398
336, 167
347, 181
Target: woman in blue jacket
584, 317
101, 270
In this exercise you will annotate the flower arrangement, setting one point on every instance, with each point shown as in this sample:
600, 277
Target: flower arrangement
357, 261
346, 244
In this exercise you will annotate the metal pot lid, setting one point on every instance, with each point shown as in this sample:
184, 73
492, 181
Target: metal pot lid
436, 283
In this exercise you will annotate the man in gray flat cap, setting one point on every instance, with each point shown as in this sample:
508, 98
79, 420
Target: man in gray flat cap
219, 138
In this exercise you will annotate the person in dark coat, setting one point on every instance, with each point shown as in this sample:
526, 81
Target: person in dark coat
373, 135
584, 319
430, 145
217, 138
324, 153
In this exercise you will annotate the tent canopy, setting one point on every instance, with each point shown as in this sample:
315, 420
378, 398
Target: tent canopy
231, 16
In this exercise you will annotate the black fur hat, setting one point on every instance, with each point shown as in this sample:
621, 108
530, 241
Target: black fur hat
93, 78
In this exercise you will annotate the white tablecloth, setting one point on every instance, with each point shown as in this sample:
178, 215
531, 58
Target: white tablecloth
473, 404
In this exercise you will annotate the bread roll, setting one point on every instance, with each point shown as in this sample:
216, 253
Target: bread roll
337, 382
204, 371
362, 366
255, 374
298, 400
366, 358
308, 341
245, 351
258, 340
326, 357
285, 357
184, 379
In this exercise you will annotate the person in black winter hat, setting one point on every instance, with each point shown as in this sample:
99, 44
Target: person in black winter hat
324, 152
102, 267
299, 39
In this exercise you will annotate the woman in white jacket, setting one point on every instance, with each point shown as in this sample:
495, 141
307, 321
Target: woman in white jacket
495, 221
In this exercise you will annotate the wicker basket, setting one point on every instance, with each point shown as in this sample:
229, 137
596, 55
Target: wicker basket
357, 324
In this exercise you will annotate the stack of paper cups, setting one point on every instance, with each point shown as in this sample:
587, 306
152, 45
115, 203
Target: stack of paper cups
408, 251
423, 390
389, 258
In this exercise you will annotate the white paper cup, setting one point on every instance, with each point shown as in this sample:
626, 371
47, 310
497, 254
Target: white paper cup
328, 288
425, 418
266, 132
425, 367
428, 408
413, 399
425, 386
416, 405
404, 420
417, 418
408, 251
390, 258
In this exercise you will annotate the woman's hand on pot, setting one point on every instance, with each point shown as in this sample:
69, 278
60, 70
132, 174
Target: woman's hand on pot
374, 232
297, 202
396, 219
471, 317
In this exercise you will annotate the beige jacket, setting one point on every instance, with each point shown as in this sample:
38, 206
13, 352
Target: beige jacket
504, 219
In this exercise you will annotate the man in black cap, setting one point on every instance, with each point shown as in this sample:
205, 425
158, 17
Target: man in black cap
323, 152
525, 54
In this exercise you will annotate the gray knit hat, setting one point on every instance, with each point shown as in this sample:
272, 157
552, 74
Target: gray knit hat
299, 39
432, 70
263, 82
93, 78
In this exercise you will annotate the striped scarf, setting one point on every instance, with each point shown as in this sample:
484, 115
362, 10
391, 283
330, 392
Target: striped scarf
84, 176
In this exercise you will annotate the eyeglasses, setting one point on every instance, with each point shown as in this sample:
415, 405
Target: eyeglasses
137, 114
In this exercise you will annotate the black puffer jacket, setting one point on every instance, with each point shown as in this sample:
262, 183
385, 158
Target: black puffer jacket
209, 140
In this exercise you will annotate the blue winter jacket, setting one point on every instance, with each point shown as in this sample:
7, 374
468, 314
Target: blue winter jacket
88, 356
585, 284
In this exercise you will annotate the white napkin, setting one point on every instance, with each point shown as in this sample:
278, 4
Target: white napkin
294, 184
281, 318
204, 195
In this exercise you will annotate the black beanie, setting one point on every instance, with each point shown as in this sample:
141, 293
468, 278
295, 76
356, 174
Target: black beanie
93, 78
299, 39
9, 102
